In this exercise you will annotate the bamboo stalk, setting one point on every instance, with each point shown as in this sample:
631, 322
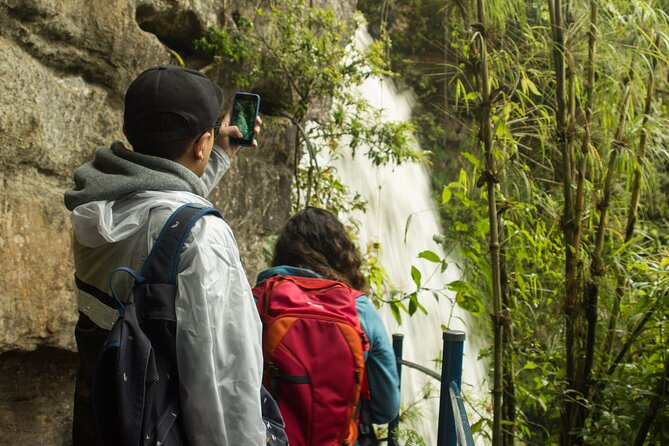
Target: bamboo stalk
612, 366
596, 267
596, 263
591, 299
509, 396
634, 204
641, 152
571, 115
636, 182
587, 136
447, 42
557, 23
489, 176
570, 76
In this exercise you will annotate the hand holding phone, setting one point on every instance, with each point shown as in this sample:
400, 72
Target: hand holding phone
245, 107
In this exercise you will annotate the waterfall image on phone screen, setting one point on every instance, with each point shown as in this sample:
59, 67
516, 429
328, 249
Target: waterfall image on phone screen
244, 112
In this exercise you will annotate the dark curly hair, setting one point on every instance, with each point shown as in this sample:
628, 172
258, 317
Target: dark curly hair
315, 239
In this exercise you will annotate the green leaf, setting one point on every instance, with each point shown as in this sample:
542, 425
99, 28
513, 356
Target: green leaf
471, 158
468, 302
501, 130
476, 427
417, 303
416, 276
532, 87
459, 286
394, 309
406, 227
413, 304
530, 366
471, 96
446, 195
430, 256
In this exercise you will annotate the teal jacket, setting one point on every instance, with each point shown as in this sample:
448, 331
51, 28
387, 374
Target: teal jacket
380, 360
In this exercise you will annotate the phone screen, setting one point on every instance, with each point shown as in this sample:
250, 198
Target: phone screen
244, 112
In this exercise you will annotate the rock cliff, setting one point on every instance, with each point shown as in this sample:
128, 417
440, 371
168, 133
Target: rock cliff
64, 66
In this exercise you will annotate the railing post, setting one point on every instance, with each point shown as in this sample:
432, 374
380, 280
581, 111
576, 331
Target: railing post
398, 343
451, 371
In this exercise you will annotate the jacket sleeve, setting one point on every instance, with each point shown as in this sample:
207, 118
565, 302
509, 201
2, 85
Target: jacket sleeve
381, 365
219, 353
219, 163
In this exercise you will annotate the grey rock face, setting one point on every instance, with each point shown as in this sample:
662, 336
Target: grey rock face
64, 67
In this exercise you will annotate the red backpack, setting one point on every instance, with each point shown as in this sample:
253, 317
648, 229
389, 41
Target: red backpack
313, 348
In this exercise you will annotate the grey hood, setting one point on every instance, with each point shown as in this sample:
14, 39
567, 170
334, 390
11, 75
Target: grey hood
117, 171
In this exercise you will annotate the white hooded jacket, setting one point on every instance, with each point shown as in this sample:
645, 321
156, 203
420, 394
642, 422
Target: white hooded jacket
219, 354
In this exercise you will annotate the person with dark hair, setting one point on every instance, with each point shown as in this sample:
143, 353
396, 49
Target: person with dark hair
120, 202
315, 244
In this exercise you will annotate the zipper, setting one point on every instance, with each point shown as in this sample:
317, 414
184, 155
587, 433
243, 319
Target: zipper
307, 290
309, 316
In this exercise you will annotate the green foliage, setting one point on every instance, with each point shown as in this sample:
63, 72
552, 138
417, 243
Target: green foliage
381, 289
327, 191
533, 227
232, 48
303, 50
629, 362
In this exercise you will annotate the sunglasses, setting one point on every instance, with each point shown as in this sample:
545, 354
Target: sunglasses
216, 127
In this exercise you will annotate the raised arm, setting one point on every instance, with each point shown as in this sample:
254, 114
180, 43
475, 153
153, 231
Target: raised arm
223, 153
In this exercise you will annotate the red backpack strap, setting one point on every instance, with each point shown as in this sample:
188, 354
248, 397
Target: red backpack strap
365, 394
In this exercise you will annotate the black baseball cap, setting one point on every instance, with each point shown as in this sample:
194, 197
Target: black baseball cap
171, 89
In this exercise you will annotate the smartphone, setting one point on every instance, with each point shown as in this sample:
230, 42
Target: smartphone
245, 107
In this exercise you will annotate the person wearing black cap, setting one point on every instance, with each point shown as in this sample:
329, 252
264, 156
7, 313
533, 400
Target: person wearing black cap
119, 204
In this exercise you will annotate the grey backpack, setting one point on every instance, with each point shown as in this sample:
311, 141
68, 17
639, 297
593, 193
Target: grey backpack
136, 382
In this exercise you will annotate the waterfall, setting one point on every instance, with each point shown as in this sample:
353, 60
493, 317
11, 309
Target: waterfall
396, 196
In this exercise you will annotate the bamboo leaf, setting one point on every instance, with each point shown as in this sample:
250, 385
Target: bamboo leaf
416, 276
430, 256
532, 87
472, 159
394, 309
420, 307
412, 304
406, 227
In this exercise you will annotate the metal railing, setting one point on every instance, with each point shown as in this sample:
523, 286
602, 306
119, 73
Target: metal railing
453, 428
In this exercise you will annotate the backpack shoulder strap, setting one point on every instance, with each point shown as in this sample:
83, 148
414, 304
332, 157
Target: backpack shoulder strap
162, 263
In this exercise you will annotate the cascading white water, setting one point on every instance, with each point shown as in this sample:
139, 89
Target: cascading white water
395, 195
